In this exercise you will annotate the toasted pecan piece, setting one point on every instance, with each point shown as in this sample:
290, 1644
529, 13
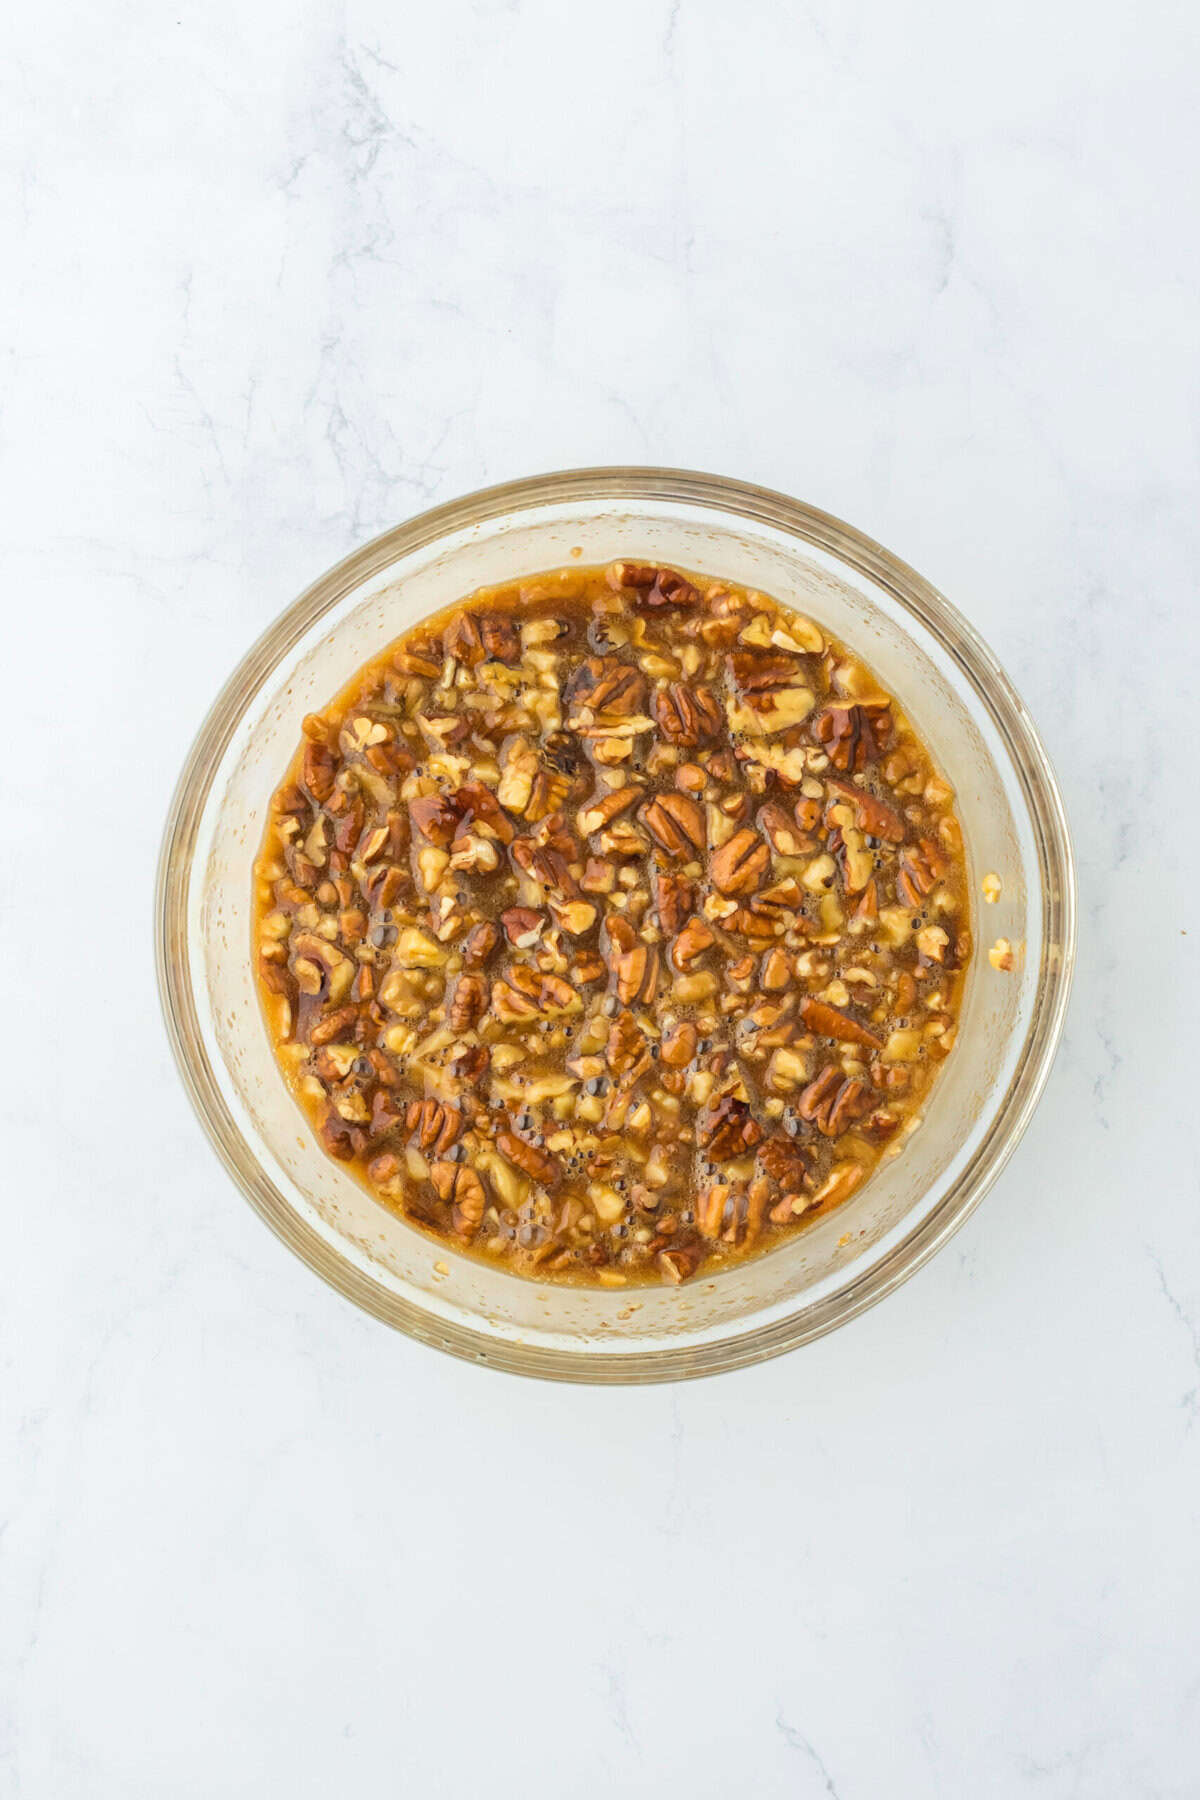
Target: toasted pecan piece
740, 865
828, 1021
676, 823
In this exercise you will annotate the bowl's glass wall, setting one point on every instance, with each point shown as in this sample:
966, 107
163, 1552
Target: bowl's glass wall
842, 1262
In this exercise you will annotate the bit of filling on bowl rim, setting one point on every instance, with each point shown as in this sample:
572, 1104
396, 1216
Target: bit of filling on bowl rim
612, 924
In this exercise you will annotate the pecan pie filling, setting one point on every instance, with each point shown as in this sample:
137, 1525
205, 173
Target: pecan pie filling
613, 924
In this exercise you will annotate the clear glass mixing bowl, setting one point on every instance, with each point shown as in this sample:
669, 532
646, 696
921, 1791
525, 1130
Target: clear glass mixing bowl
959, 699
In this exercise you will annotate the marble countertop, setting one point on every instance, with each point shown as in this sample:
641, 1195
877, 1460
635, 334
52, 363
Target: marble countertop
281, 275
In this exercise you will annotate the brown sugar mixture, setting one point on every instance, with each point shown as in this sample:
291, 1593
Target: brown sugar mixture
613, 924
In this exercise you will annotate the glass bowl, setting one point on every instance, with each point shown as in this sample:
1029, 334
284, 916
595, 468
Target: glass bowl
959, 699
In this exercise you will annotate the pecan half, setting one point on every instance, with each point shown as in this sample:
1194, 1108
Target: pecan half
334, 1025
687, 715
531, 1159
674, 901
853, 735
738, 866
462, 1189
676, 823
758, 671
501, 639
606, 686
727, 1129
637, 974
432, 1126
469, 1003
319, 768
546, 866
828, 1022
833, 1101
654, 587
920, 868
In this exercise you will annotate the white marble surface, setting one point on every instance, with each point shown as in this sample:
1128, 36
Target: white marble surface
280, 275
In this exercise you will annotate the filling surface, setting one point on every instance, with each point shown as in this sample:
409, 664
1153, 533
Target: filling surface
612, 924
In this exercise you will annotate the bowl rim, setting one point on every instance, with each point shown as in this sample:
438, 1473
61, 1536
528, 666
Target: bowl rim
975, 663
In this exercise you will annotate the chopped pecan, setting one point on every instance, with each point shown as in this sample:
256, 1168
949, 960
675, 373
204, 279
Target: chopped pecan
654, 587
432, 1126
461, 1188
419, 658
626, 1044
680, 1261
727, 1129
785, 1161
607, 687
461, 639
319, 769
339, 1138
778, 827
827, 1021
546, 866
560, 752
676, 823
531, 1159
470, 1064
387, 1112
696, 937
853, 735
501, 639
871, 815
436, 817
469, 1002
637, 975
477, 802
334, 1025
604, 808
748, 922
523, 926
739, 865
758, 671
679, 1045
528, 992
833, 1101
920, 868
547, 794
674, 901
687, 715
479, 944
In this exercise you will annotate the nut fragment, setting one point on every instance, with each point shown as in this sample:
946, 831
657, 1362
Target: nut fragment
676, 823
738, 867
530, 1158
827, 1021
687, 715
695, 938
833, 1101
462, 1189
